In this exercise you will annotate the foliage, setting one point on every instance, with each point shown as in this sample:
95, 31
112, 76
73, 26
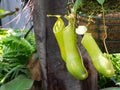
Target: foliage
77, 5
111, 88
93, 6
101, 1
15, 55
16, 49
15, 52
115, 80
116, 63
19, 83
31, 39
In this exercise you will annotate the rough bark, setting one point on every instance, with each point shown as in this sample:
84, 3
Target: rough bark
39, 20
91, 82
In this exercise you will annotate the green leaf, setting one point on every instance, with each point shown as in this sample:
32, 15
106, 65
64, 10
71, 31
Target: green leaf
111, 88
101, 1
16, 49
19, 83
12, 70
77, 5
4, 13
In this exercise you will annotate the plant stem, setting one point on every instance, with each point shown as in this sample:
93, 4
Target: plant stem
105, 30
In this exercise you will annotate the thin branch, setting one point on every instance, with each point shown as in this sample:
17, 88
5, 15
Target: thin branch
28, 31
18, 17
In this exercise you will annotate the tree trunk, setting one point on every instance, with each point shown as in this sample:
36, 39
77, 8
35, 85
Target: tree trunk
39, 20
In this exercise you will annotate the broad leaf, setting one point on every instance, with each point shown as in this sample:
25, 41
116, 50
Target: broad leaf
77, 5
19, 83
101, 1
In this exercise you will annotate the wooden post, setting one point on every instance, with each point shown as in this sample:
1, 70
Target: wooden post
39, 20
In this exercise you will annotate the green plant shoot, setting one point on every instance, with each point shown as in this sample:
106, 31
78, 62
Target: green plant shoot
101, 2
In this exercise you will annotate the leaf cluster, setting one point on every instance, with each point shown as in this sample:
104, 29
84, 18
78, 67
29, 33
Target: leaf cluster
15, 55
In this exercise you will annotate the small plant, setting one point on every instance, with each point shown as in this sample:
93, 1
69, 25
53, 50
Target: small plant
15, 54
